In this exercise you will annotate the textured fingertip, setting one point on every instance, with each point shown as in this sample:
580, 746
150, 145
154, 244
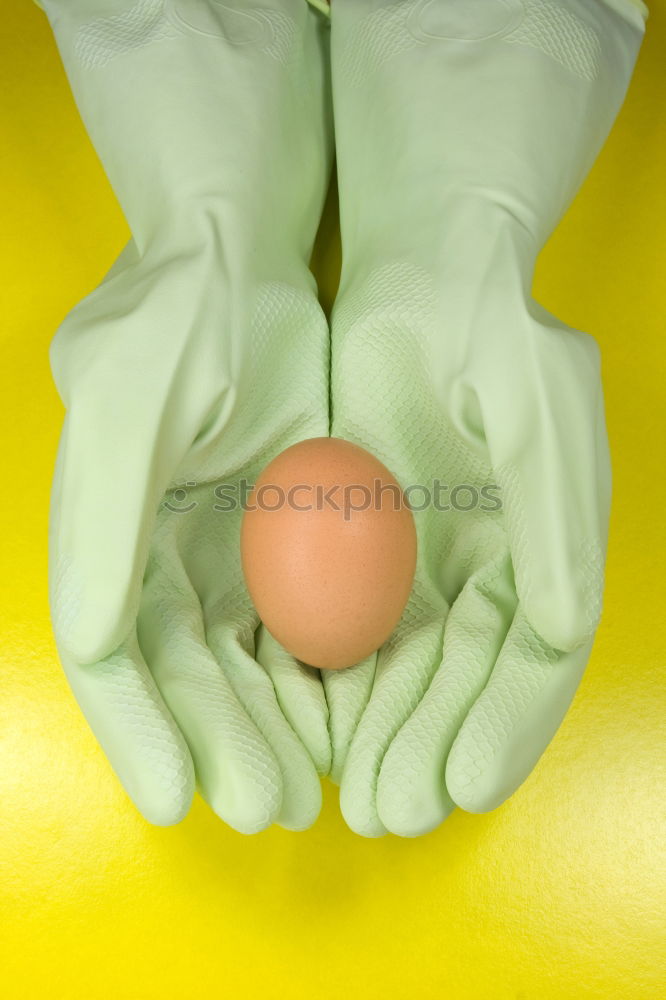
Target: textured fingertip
300, 810
242, 812
484, 766
240, 777
514, 719
363, 821
414, 817
411, 802
161, 808
136, 731
485, 791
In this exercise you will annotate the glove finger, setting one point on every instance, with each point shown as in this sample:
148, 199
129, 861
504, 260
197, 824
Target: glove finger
405, 666
237, 772
136, 731
300, 695
514, 719
411, 793
347, 694
231, 639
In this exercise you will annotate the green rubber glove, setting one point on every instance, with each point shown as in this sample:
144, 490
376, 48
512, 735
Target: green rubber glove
201, 355
463, 130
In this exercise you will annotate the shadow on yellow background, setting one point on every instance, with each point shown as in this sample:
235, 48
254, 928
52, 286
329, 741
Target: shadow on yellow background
558, 894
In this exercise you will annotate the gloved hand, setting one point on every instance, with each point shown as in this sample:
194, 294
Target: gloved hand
201, 355
463, 131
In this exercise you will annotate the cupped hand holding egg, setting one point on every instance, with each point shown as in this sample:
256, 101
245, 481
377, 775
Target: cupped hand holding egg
328, 549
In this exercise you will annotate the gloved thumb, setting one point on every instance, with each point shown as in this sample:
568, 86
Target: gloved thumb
556, 491
124, 361
545, 432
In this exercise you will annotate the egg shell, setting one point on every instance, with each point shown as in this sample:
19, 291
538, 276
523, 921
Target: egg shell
329, 584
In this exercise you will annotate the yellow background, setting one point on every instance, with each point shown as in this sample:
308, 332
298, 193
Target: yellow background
560, 893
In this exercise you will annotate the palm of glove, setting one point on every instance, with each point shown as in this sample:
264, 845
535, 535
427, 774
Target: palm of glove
458, 705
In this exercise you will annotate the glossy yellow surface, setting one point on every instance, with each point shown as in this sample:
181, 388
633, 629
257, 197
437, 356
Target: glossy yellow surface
558, 894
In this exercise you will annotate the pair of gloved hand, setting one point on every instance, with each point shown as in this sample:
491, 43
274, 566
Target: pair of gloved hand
462, 132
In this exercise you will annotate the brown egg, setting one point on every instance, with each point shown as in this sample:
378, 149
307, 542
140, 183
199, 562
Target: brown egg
328, 548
